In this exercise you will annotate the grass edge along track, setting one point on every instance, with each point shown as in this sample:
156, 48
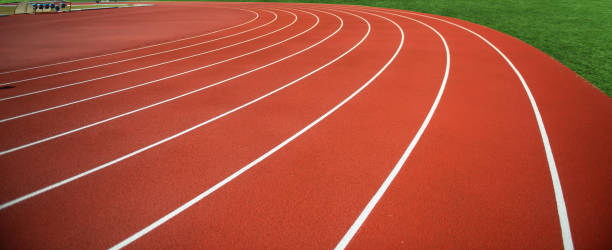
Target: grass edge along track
577, 33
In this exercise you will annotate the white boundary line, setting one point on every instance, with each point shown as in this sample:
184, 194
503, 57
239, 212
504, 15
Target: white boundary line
143, 56
161, 79
145, 47
398, 166
83, 174
164, 101
552, 167
264, 156
154, 65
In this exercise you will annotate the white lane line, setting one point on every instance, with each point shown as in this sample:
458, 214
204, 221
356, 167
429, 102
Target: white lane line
83, 174
398, 166
161, 79
552, 166
167, 100
143, 56
201, 196
139, 48
155, 65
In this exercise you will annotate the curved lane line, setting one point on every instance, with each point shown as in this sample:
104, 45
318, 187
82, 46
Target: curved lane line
145, 47
270, 152
83, 174
150, 66
143, 56
161, 102
566, 232
161, 79
398, 166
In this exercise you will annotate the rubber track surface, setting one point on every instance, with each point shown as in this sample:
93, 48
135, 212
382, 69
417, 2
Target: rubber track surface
252, 125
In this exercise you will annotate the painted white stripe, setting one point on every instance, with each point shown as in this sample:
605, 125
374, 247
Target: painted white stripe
552, 166
83, 174
173, 98
261, 158
161, 79
139, 48
159, 64
398, 166
144, 56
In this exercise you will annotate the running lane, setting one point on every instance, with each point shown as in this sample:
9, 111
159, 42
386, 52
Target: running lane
479, 177
105, 31
578, 119
307, 155
144, 127
96, 102
304, 194
256, 20
105, 231
49, 91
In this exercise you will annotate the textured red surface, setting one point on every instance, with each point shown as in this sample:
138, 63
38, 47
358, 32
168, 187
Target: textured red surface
30, 41
478, 178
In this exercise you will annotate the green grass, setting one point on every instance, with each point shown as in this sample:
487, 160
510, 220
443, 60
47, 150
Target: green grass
578, 33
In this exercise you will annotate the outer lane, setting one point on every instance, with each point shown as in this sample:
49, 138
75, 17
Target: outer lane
580, 159
471, 182
578, 119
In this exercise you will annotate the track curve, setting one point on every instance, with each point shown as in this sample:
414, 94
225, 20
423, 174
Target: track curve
301, 126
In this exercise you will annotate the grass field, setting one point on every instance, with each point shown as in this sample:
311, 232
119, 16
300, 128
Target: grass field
578, 33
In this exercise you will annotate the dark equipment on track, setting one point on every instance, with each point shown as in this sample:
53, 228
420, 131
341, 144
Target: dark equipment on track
51, 6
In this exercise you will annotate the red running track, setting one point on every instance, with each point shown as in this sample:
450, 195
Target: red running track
294, 126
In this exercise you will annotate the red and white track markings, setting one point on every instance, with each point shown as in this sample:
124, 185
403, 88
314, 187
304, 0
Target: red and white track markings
301, 126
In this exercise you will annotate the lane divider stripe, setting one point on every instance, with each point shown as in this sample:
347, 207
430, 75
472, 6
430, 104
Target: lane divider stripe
566, 233
267, 154
143, 56
154, 104
398, 166
139, 48
83, 174
150, 66
154, 81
